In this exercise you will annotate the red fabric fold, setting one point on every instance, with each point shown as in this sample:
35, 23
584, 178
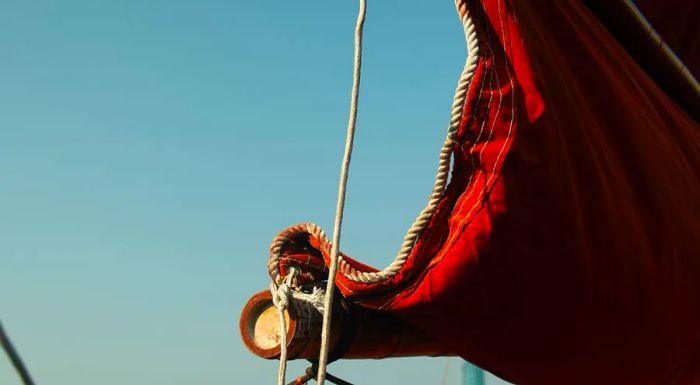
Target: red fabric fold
566, 248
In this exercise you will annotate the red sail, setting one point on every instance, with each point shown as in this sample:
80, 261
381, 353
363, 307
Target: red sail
566, 247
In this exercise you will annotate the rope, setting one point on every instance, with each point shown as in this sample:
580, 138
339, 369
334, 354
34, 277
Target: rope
441, 178
315, 298
667, 51
333, 266
412, 235
15, 358
310, 374
280, 298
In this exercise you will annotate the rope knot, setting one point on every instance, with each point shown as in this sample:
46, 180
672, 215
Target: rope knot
315, 298
280, 295
280, 298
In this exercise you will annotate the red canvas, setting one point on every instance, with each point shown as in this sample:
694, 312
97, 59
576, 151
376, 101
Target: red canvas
566, 247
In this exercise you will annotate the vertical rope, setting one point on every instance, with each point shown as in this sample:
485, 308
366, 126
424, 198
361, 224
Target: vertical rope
439, 186
333, 266
280, 298
15, 358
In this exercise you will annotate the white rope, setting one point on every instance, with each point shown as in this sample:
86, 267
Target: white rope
315, 298
441, 177
333, 266
280, 298
281, 293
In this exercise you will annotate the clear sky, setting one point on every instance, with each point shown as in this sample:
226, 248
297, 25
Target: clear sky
151, 149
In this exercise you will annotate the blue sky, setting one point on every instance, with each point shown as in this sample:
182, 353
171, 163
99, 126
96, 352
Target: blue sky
150, 150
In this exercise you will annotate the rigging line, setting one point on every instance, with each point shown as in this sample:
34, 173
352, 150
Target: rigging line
310, 374
14, 357
280, 298
333, 266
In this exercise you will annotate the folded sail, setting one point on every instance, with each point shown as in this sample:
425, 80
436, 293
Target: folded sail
566, 247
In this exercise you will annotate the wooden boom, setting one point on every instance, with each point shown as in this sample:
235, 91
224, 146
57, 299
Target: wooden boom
356, 332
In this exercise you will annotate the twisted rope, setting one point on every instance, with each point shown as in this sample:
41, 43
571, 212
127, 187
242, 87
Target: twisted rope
280, 298
439, 185
332, 248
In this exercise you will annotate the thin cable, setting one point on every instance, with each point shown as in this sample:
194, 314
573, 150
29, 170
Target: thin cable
333, 266
15, 358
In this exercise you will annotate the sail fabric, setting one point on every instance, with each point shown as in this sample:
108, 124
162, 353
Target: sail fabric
566, 247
